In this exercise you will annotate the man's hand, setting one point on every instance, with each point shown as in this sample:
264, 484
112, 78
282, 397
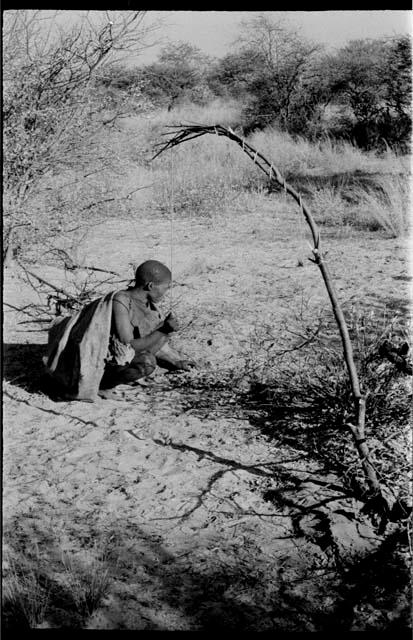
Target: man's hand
170, 324
186, 365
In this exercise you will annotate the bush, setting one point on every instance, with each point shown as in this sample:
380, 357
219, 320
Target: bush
53, 113
307, 398
372, 78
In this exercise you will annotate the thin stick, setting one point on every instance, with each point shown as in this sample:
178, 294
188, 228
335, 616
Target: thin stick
185, 133
45, 282
171, 228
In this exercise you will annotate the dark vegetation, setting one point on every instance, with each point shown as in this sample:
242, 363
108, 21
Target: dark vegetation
359, 93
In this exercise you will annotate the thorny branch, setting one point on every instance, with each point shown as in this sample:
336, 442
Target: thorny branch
179, 134
59, 297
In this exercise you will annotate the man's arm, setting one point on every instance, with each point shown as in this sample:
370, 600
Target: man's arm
169, 359
124, 329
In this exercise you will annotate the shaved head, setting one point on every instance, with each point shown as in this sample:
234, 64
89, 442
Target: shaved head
152, 271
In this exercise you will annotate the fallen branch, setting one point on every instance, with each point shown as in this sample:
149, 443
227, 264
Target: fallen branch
115, 199
45, 282
72, 266
182, 133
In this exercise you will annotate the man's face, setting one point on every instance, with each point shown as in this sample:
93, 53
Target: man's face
157, 291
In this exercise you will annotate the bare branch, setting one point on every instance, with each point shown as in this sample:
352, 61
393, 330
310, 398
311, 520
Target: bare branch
184, 133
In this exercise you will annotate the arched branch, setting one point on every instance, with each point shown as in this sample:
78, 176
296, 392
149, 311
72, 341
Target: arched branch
183, 133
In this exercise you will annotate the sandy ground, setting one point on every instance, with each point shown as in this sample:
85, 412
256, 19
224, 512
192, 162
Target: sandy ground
175, 504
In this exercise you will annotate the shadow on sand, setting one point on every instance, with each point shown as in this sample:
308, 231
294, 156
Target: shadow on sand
23, 367
147, 587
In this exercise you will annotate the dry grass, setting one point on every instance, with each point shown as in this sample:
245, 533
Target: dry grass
218, 111
209, 178
88, 583
387, 208
300, 157
329, 206
383, 205
24, 599
36, 592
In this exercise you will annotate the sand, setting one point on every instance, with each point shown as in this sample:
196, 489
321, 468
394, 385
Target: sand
197, 518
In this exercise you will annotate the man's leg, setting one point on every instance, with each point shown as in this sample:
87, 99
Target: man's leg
143, 364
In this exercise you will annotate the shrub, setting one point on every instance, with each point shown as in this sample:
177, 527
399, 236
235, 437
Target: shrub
307, 398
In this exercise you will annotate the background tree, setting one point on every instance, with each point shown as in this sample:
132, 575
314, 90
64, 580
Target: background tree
286, 81
178, 75
231, 75
371, 80
283, 66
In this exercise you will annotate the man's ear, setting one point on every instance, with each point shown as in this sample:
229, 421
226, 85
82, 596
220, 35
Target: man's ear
148, 286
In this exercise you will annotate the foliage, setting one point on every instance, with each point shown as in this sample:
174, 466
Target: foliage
372, 78
231, 75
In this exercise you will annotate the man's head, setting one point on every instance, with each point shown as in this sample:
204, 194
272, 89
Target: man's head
154, 277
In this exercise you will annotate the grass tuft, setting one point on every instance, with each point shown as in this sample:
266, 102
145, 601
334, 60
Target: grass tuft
387, 207
24, 599
88, 584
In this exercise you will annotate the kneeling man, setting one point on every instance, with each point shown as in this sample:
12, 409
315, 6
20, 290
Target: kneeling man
114, 340
138, 330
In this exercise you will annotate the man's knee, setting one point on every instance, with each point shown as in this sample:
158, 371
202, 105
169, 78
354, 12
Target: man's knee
150, 365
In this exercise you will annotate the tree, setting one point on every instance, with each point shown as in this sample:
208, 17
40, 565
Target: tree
232, 74
52, 114
183, 54
283, 66
178, 74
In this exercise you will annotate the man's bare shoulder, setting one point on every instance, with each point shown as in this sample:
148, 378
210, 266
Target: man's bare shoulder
122, 298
